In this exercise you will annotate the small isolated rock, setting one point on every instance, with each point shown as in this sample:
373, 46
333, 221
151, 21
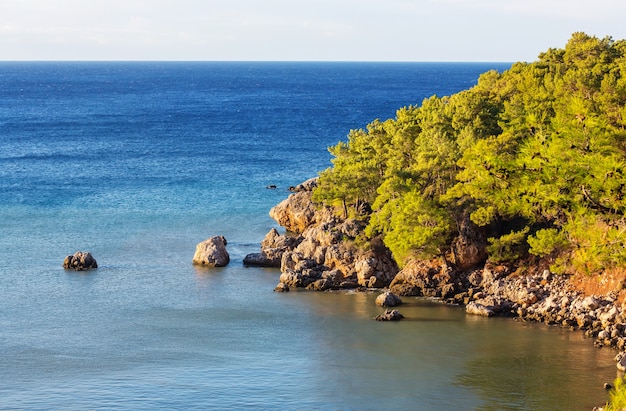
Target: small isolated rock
80, 261
388, 299
389, 315
212, 253
281, 288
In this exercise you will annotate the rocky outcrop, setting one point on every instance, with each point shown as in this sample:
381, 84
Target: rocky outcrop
327, 258
212, 253
80, 261
496, 290
324, 255
295, 213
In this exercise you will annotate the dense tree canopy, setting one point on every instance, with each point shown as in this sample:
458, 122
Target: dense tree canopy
536, 156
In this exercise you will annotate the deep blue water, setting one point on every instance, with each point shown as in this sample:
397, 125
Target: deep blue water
137, 163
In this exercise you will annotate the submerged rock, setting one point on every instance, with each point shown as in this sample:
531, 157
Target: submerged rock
80, 261
212, 253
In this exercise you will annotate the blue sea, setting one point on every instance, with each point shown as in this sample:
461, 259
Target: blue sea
137, 163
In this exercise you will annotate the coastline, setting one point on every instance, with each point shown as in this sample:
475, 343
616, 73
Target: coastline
318, 253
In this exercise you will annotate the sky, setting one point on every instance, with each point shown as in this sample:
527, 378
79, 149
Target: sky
300, 30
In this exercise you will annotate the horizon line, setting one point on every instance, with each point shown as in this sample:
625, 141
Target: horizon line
257, 61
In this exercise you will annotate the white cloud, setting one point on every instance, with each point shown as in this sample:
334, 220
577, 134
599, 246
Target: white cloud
561, 9
299, 29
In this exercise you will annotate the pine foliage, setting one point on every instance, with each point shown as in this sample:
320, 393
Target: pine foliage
535, 155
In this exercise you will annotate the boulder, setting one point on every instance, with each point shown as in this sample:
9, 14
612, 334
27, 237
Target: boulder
475, 308
389, 315
423, 278
388, 299
296, 213
80, 261
212, 253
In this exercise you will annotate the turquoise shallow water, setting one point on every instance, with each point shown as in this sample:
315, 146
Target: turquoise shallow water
137, 163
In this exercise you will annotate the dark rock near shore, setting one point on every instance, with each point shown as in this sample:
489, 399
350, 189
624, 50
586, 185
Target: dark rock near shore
389, 315
212, 253
80, 261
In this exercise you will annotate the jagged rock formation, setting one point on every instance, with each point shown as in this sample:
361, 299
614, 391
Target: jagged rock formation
80, 261
212, 253
322, 255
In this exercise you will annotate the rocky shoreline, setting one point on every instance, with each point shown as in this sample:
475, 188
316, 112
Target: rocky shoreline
318, 253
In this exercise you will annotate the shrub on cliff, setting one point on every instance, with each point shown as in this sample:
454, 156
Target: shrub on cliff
534, 155
617, 397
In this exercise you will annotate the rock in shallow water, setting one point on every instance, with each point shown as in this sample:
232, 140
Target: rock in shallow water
479, 309
388, 299
281, 288
80, 261
212, 253
389, 315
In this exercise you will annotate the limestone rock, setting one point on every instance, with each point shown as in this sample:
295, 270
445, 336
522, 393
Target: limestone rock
388, 299
377, 268
475, 308
424, 278
80, 261
212, 253
296, 213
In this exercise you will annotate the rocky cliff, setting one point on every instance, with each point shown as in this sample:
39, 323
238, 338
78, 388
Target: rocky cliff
318, 250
